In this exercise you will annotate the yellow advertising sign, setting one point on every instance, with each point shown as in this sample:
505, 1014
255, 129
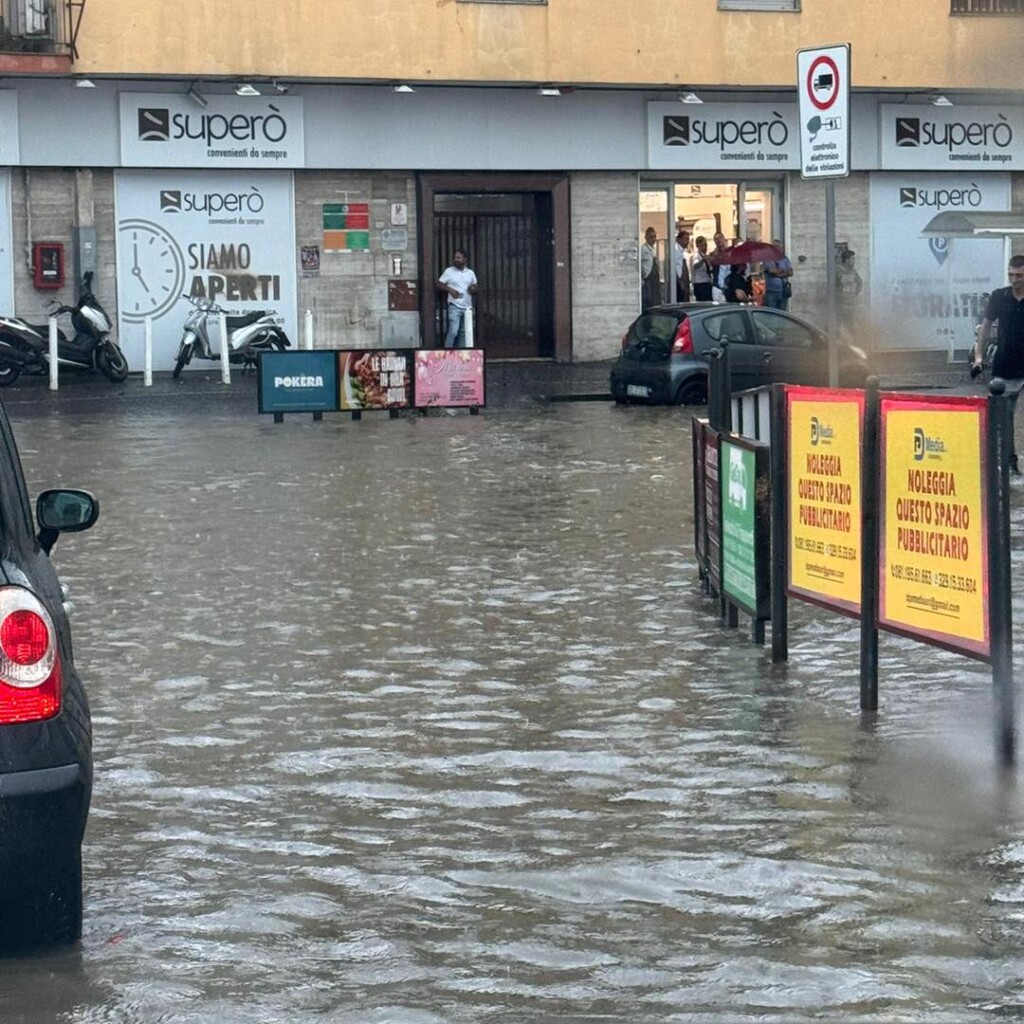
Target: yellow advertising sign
933, 570
823, 429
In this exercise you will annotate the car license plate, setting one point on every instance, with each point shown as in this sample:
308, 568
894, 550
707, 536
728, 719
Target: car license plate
638, 391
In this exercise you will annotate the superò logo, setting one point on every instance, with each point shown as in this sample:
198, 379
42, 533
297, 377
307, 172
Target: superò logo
724, 132
299, 381
913, 132
176, 201
924, 445
158, 124
940, 198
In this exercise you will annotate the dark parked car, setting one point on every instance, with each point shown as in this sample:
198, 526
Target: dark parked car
664, 352
45, 731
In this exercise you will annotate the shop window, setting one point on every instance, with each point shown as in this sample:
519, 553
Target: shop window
759, 5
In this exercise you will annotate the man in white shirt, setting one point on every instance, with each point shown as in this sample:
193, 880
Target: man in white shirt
460, 284
722, 270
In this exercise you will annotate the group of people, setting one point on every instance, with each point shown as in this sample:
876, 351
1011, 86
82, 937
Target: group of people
710, 277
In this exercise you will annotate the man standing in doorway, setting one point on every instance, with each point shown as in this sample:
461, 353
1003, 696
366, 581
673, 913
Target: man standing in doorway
683, 266
650, 279
460, 284
777, 287
1006, 310
701, 271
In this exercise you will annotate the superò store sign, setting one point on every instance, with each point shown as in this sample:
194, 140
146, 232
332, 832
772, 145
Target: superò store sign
723, 136
951, 138
170, 130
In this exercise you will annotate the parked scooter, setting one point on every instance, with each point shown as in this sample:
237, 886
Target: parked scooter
248, 335
25, 347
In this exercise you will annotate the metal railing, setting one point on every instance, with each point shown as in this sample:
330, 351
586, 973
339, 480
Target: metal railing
40, 26
986, 6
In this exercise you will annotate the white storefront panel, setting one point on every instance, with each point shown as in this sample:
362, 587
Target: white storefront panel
229, 237
929, 292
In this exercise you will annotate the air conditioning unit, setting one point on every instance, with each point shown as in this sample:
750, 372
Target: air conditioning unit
35, 18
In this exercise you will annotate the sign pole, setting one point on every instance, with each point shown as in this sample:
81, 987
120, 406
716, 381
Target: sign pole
780, 539
830, 282
869, 551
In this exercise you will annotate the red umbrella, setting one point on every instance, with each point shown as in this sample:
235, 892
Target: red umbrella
748, 252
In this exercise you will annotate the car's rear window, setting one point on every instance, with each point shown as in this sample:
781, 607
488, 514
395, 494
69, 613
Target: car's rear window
654, 331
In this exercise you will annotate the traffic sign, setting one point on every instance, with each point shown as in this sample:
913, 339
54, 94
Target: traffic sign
823, 84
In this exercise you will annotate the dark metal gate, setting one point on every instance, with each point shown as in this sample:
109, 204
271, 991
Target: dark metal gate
506, 238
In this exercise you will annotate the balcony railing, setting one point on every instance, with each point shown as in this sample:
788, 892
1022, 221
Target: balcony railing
986, 7
40, 26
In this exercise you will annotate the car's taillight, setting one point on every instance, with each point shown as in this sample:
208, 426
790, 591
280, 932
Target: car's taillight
683, 341
30, 681
625, 339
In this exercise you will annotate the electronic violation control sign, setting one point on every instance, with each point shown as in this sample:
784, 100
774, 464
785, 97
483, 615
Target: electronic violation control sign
824, 490
933, 565
823, 86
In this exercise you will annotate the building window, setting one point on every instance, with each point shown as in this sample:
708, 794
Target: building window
986, 7
760, 5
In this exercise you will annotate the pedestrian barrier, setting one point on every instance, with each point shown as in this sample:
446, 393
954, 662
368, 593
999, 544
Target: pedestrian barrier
366, 380
888, 507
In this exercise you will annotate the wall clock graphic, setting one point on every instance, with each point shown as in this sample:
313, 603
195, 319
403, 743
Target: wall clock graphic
153, 270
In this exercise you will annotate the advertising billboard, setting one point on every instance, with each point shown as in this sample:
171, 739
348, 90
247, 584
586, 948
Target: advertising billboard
227, 237
824, 492
374, 379
297, 382
450, 378
745, 495
933, 565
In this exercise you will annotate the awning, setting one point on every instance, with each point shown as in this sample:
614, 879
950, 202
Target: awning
975, 224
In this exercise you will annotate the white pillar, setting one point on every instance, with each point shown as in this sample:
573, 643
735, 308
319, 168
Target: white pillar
53, 353
225, 350
467, 321
309, 329
147, 377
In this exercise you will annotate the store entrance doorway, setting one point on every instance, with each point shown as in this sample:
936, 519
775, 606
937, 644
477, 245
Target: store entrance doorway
740, 210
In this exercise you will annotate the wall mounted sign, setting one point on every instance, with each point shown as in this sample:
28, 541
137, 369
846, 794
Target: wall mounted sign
723, 136
228, 237
170, 130
930, 292
969, 139
346, 227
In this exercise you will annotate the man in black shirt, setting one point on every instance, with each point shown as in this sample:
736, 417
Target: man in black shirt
1006, 309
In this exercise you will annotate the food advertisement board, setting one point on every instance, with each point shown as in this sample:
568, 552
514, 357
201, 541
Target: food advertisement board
745, 495
933, 531
374, 379
450, 377
824, 492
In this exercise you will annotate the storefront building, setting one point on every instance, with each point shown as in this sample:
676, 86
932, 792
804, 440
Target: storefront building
347, 201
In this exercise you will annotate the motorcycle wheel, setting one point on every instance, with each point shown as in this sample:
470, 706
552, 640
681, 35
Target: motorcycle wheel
110, 361
184, 358
279, 344
8, 375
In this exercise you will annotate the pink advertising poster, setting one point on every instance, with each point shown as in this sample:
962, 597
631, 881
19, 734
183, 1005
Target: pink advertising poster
449, 377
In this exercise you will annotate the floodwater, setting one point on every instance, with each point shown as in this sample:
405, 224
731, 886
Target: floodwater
427, 721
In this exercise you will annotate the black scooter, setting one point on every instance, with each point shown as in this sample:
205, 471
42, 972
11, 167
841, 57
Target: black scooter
25, 347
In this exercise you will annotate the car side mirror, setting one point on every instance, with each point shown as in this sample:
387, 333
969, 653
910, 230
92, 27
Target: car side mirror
64, 510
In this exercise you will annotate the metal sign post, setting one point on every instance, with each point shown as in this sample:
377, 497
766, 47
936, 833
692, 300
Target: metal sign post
823, 86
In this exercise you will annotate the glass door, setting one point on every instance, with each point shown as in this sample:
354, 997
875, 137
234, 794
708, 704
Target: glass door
657, 280
761, 205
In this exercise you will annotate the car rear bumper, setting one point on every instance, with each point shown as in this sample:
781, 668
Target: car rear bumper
643, 384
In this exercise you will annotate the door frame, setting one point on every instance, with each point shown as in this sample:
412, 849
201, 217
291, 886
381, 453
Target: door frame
556, 185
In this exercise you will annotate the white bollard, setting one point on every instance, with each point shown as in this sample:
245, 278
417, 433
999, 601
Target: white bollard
147, 376
53, 353
467, 327
225, 351
309, 329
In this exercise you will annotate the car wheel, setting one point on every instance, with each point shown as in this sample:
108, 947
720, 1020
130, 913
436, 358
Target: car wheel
51, 914
693, 392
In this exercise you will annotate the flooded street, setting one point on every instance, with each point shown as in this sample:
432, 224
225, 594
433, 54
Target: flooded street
427, 721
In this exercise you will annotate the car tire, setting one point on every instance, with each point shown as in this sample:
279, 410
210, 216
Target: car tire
693, 392
51, 914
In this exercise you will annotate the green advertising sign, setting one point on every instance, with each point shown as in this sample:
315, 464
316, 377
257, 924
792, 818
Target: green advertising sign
744, 488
